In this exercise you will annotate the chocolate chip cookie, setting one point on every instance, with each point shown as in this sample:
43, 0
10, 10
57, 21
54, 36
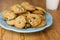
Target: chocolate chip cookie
20, 22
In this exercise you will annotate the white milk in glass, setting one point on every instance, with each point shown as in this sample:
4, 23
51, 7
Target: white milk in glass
52, 4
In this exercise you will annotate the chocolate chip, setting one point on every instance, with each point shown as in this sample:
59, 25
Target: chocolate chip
33, 17
26, 23
30, 11
19, 22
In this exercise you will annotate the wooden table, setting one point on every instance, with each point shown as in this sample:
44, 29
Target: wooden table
51, 33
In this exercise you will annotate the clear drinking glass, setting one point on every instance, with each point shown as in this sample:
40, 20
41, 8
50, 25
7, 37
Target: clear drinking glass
52, 4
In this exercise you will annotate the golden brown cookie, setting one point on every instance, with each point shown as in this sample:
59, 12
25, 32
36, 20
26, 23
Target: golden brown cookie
27, 6
43, 23
17, 9
8, 15
20, 22
34, 19
25, 14
38, 12
10, 22
27, 25
41, 9
43, 17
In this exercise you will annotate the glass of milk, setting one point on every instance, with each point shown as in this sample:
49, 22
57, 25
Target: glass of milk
52, 4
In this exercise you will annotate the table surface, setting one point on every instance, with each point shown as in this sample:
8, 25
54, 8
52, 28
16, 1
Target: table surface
51, 33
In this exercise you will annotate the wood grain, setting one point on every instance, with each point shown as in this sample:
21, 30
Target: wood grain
51, 33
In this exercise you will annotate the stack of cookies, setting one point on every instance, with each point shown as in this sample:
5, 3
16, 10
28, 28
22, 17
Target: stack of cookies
25, 15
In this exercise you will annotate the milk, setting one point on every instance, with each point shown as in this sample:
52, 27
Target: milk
52, 4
